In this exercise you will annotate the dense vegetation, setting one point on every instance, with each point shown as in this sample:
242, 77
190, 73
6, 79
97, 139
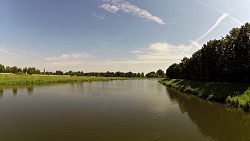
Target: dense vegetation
33, 70
224, 60
235, 94
14, 79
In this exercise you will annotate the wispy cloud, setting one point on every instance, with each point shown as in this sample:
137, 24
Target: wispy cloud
156, 56
236, 20
6, 51
222, 17
68, 59
99, 17
153, 57
162, 52
115, 6
209, 6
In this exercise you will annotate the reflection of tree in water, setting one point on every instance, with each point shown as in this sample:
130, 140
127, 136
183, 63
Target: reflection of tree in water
30, 90
214, 119
1, 93
14, 91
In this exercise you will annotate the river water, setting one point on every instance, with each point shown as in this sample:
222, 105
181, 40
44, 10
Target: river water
122, 110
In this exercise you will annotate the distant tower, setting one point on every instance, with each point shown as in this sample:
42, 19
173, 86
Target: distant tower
44, 71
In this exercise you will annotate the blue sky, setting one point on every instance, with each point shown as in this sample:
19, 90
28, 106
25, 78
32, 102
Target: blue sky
111, 35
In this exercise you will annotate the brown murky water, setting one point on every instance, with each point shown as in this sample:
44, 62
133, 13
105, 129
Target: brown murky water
129, 110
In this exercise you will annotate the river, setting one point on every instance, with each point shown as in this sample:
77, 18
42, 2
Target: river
122, 110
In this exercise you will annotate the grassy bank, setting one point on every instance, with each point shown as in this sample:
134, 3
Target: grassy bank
234, 94
13, 79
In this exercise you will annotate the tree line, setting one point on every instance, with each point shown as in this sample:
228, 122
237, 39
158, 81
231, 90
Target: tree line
224, 60
33, 70
17, 70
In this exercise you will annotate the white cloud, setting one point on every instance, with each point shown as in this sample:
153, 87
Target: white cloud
156, 56
6, 51
64, 63
68, 59
163, 52
109, 7
136, 51
99, 17
124, 6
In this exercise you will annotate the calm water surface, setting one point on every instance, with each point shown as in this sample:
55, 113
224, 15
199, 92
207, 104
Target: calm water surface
130, 110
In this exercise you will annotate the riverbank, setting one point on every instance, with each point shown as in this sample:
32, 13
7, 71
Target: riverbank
235, 94
15, 79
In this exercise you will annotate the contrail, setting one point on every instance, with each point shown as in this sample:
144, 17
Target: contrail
222, 17
236, 20
194, 43
220, 11
210, 6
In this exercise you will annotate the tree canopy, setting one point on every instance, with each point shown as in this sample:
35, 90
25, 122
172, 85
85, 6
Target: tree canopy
226, 59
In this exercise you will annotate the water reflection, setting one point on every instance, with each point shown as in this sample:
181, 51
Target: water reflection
30, 90
214, 120
14, 91
1, 93
132, 110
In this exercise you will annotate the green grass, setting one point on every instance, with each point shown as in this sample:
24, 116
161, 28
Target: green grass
14, 79
235, 94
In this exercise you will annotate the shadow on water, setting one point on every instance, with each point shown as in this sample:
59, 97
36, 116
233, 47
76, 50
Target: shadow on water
213, 119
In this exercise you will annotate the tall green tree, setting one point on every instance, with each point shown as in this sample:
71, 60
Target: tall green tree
227, 59
160, 73
2, 68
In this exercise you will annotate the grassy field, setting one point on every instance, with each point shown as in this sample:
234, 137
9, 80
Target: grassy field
13, 79
234, 94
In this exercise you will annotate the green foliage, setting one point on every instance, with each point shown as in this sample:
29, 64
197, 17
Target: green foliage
151, 74
236, 94
2, 68
240, 100
159, 74
174, 71
13, 79
33, 70
224, 60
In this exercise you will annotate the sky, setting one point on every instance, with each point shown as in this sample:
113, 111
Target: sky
112, 35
